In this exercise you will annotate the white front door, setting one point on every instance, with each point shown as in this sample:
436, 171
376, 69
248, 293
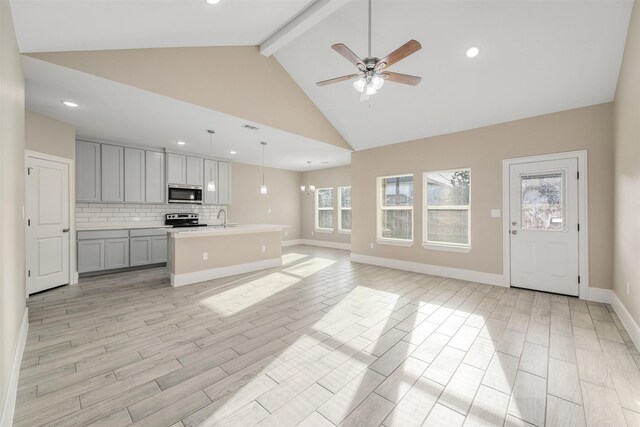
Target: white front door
543, 198
47, 204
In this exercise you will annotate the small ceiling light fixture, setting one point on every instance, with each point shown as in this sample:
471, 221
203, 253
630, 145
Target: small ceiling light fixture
473, 51
263, 187
233, 152
211, 185
212, 1
181, 142
70, 104
308, 189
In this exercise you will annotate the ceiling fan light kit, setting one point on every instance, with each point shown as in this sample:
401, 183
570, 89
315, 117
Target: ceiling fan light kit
370, 76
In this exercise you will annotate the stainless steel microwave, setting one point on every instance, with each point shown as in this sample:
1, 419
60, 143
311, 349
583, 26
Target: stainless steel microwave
179, 193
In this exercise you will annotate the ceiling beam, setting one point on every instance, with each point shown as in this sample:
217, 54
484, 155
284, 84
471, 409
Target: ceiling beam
309, 17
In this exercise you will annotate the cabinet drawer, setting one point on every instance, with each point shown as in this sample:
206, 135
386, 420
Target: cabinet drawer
148, 232
103, 234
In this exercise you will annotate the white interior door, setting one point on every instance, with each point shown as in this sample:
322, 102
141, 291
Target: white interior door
47, 204
544, 226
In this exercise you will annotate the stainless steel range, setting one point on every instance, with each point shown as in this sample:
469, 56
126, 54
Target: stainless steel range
183, 220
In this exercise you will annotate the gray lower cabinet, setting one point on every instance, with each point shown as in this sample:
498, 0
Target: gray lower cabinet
140, 251
87, 171
158, 249
90, 255
116, 253
112, 165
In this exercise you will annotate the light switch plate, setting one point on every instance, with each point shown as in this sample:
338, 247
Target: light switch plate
495, 213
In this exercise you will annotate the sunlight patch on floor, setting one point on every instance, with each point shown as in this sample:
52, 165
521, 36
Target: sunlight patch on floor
307, 268
292, 257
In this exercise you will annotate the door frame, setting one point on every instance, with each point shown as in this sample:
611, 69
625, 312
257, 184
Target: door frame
73, 271
583, 214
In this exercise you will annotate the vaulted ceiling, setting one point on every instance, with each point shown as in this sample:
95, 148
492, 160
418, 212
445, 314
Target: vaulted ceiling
536, 57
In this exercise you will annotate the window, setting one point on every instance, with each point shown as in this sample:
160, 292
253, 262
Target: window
344, 209
541, 205
395, 210
447, 210
324, 209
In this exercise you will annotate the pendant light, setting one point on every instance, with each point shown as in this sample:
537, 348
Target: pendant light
263, 187
211, 185
308, 189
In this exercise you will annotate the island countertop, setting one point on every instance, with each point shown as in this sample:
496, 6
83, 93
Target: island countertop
180, 233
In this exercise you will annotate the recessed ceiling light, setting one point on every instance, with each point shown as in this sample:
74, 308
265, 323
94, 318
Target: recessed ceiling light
181, 142
233, 152
70, 104
212, 1
473, 51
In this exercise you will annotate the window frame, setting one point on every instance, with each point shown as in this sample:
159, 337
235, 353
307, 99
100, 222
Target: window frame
380, 208
444, 246
342, 208
317, 210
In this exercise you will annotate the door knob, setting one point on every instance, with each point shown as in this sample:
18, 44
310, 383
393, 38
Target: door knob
514, 231
65, 230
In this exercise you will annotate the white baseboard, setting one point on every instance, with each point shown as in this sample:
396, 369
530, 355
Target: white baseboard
9, 404
435, 270
607, 296
216, 273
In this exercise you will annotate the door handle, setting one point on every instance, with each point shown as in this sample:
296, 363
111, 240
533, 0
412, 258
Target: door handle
514, 231
65, 230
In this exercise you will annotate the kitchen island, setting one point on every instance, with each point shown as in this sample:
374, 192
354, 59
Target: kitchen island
199, 254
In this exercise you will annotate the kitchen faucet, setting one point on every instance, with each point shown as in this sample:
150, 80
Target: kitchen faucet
224, 222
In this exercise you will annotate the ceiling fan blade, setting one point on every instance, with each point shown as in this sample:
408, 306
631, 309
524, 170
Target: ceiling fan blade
402, 78
349, 55
337, 79
410, 47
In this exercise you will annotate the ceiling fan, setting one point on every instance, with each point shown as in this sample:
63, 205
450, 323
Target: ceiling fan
371, 75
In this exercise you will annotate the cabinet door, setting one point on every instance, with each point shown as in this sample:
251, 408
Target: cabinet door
112, 173
158, 249
155, 183
210, 174
87, 171
195, 174
90, 255
116, 253
176, 169
224, 183
134, 175
139, 251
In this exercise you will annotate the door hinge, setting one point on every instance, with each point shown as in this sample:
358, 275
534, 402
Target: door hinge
578, 174
28, 223
29, 171
29, 273
578, 279
578, 227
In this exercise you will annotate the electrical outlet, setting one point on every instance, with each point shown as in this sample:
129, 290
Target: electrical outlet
205, 256
264, 248
313, 233
286, 233
495, 213
628, 288
371, 245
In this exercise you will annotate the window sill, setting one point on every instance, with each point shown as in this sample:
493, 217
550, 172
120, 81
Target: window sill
447, 248
324, 230
395, 242
344, 231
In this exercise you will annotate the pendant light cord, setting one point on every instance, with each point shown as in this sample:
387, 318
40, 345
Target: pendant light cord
369, 55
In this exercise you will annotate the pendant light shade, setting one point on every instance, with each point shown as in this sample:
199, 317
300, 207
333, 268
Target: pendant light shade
309, 188
263, 187
211, 185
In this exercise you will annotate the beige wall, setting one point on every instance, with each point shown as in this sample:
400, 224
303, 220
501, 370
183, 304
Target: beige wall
235, 80
627, 172
483, 150
12, 262
280, 206
49, 136
324, 178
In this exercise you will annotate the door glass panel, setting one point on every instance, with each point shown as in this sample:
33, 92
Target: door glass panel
542, 201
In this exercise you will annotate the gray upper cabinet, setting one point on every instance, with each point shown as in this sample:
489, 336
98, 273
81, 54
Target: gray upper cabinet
112, 164
194, 170
176, 169
154, 177
87, 171
210, 174
224, 183
134, 175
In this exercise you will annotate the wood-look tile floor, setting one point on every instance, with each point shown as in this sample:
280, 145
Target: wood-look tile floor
322, 341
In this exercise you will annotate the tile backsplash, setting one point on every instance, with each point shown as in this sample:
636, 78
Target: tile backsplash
108, 213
